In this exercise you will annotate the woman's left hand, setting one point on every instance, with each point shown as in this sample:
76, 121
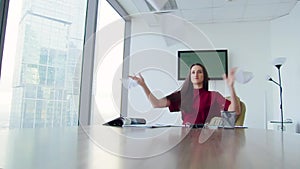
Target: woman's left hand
230, 78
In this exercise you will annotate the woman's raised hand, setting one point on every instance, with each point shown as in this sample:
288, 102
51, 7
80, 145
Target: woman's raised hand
139, 79
230, 78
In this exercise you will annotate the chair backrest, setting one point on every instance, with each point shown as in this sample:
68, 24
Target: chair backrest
241, 118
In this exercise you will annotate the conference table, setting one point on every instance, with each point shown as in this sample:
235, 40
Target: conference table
145, 147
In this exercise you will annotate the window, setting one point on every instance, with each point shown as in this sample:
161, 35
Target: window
40, 62
108, 63
3, 18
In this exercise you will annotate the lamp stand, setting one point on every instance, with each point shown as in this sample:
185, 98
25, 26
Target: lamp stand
280, 95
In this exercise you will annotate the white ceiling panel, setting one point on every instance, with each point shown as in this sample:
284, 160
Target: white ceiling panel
262, 2
287, 0
212, 11
235, 3
235, 12
204, 14
194, 4
284, 9
259, 11
218, 3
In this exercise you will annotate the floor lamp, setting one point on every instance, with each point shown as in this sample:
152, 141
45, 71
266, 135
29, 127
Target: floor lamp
278, 62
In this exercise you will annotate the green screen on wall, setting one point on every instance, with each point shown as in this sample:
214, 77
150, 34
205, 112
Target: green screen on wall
215, 62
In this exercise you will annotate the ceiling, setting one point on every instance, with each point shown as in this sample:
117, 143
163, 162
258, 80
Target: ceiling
211, 11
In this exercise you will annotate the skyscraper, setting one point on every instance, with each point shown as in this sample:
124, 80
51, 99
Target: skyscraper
48, 62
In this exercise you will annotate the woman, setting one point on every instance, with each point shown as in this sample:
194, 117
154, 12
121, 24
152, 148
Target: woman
196, 103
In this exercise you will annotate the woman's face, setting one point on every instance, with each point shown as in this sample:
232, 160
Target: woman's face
197, 75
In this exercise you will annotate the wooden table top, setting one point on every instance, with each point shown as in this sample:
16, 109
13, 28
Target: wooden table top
166, 148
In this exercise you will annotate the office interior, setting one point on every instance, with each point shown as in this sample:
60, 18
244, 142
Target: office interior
149, 42
252, 45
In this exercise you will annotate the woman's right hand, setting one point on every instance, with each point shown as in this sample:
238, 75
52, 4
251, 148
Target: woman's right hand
139, 79
156, 103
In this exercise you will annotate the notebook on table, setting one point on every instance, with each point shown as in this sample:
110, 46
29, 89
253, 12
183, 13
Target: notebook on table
121, 121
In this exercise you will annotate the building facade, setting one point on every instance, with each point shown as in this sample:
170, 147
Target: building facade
48, 64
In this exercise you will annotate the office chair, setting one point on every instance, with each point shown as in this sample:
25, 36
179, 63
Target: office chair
241, 118
217, 121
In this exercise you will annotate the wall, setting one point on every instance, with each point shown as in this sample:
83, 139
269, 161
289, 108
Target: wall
249, 48
285, 42
251, 45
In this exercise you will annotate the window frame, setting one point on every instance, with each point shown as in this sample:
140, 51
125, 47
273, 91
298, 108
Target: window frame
4, 4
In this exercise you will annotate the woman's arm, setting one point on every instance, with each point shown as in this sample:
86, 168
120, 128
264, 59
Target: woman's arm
156, 103
235, 103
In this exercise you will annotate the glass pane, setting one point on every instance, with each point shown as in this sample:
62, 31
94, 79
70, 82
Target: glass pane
42, 75
40, 63
44, 56
108, 63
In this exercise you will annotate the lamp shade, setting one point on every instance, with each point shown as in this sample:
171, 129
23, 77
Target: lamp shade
278, 61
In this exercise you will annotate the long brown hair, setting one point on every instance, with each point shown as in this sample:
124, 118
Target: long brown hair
187, 89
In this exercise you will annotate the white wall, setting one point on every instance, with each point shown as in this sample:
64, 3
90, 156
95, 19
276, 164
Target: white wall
285, 40
251, 46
